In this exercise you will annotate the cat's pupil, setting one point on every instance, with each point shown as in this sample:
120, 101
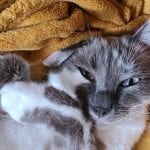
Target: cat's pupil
86, 74
130, 82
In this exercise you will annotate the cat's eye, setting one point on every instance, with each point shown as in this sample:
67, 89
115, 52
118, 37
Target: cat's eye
86, 74
130, 82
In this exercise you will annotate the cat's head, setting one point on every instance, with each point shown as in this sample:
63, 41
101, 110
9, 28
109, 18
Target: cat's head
114, 73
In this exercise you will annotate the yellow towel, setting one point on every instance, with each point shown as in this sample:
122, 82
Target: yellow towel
36, 28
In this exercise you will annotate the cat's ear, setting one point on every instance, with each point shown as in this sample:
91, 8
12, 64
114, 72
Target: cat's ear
143, 33
59, 57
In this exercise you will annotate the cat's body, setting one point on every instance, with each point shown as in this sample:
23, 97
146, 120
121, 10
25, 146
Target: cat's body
121, 135
41, 117
15, 136
118, 92
112, 75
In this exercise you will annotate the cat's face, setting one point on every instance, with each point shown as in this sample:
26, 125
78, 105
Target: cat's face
114, 73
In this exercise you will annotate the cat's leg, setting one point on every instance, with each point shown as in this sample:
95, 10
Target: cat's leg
17, 98
20, 98
13, 68
29, 103
22, 136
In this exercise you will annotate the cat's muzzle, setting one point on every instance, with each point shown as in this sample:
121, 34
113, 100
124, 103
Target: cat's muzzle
102, 103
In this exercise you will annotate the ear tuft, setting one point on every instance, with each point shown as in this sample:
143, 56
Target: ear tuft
143, 33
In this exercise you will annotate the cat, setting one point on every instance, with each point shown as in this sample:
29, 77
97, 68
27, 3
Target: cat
116, 76
112, 74
37, 116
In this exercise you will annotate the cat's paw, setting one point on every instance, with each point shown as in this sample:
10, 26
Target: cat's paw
13, 68
12, 100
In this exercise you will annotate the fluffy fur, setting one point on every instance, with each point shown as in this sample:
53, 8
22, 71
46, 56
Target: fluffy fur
40, 117
111, 74
118, 71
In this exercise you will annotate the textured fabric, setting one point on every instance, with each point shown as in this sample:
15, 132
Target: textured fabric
36, 28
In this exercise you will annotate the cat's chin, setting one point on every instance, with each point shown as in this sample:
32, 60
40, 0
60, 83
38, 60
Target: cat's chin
105, 121
110, 119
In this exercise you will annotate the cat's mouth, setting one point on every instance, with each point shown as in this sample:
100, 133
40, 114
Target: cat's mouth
115, 116
107, 120
100, 111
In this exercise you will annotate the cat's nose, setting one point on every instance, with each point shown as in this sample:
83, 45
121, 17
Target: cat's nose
102, 103
99, 111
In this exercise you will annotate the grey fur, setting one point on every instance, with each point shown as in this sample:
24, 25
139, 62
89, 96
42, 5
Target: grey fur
62, 124
111, 61
111, 64
62, 98
14, 68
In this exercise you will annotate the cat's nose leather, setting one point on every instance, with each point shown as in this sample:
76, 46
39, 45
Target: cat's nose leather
102, 103
100, 111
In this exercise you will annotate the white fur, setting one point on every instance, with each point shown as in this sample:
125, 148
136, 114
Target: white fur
16, 103
119, 136
123, 134
20, 97
66, 80
15, 136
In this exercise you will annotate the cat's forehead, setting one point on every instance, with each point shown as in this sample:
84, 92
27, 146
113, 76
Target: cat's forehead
101, 52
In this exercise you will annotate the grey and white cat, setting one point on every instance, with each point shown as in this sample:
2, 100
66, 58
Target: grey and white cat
118, 90
112, 74
39, 117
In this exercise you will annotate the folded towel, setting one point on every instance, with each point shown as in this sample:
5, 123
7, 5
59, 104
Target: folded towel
36, 28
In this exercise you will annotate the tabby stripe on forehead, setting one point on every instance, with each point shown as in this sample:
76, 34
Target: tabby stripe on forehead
62, 98
63, 125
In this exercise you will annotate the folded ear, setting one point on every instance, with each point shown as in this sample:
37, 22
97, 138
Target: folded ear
143, 33
59, 57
